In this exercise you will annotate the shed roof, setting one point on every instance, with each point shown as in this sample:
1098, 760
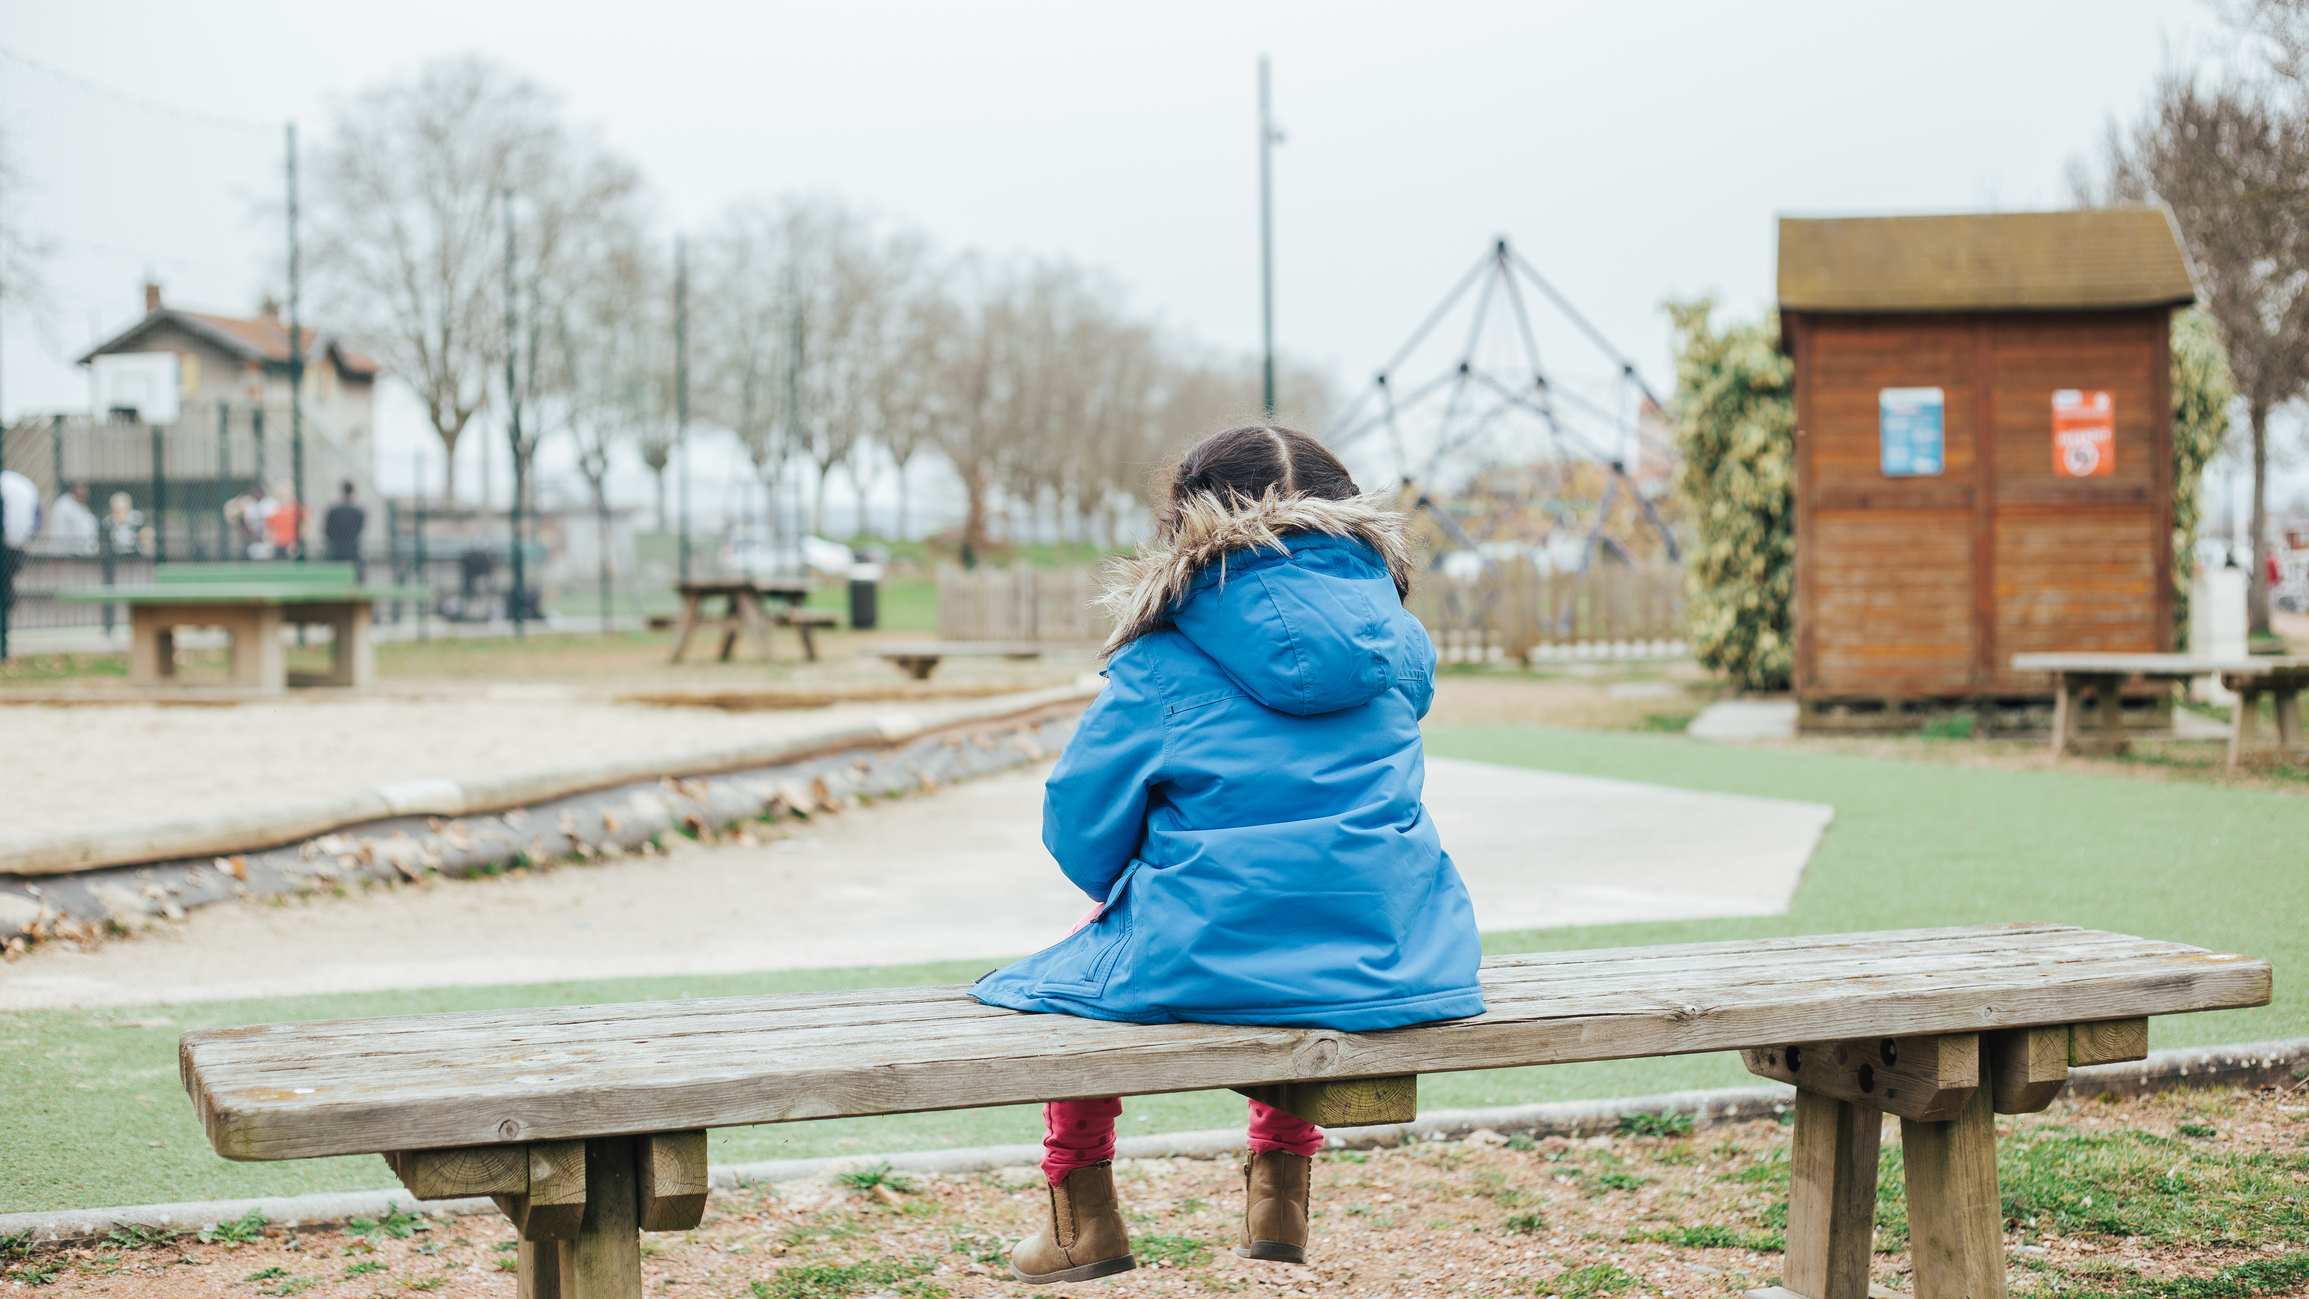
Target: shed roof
2090, 258
264, 339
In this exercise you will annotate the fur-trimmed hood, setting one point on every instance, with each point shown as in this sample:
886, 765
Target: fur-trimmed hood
1144, 589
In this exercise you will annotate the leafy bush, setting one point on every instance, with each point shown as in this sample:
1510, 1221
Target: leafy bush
1736, 430
2202, 392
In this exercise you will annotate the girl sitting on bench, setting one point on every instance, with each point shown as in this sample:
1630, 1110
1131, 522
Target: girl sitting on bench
1242, 800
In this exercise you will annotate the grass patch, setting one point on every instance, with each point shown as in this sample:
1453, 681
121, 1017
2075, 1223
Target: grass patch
2162, 1189
1590, 1281
1669, 1124
832, 1281
1172, 1248
2283, 1275
1711, 1236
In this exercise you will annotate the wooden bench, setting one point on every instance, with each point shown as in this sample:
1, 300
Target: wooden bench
742, 614
2103, 674
588, 1122
251, 602
920, 660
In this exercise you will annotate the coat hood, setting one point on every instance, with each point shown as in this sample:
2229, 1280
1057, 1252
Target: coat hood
1307, 622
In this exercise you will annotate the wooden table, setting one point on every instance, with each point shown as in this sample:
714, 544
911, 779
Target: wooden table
2251, 677
252, 603
742, 612
920, 660
588, 1122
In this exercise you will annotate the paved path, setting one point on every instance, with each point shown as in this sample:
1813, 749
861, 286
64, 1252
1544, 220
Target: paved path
958, 875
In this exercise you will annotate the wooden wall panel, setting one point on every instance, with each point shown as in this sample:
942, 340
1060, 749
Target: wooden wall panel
1892, 595
1927, 586
2074, 578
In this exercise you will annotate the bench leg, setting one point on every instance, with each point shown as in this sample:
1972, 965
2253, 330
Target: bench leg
2246, 713
604, 1262
1831, 1198
2065, 698
540, 1262
1955, 1217
2288, 700
151, 648
688, 628
758, 625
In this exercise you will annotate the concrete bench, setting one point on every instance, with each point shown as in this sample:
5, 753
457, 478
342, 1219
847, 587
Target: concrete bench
920, 660
2074, 674
588, 1122
251, 603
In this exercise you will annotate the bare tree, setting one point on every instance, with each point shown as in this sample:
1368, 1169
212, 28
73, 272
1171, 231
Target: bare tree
2232, 162
609, 369
24, 253
742, 345
406, 199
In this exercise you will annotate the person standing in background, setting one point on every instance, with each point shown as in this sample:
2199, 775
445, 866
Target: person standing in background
286, 521
71, 527
342, 529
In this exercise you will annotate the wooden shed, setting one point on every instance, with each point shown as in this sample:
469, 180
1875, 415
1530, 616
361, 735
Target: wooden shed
1983, 451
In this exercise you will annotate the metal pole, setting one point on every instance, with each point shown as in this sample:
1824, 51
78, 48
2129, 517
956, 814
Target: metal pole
1267, 239
296, 367
425, 602
513, 424
681, 385
224, 459
159, 493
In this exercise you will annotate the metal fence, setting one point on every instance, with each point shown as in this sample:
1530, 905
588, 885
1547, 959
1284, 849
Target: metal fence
178, 478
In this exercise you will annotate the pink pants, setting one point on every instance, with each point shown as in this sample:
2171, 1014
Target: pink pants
1081, 1133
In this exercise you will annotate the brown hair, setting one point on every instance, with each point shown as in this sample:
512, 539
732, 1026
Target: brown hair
1244, 464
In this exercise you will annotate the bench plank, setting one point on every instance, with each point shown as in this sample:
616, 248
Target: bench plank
288, 1091
1913, 1077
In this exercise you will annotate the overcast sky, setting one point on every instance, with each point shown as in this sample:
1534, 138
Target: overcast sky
1633, 152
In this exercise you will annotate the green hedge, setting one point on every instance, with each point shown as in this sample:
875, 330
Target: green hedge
1736, 430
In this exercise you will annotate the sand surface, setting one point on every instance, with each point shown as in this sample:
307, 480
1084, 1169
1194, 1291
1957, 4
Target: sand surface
76, 768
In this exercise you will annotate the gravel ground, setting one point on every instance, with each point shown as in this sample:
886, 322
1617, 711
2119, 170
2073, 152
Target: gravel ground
2181, 1196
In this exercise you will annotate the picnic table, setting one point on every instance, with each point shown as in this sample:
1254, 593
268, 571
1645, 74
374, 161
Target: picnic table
2250, 678
588, 1123
251, 602
920, 660
742, 613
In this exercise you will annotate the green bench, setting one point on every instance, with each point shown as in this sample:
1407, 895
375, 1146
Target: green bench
588, 1123
251, 603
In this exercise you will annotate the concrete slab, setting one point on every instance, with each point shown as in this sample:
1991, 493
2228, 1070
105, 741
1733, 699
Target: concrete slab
1541, 849
958, 875
1745, 719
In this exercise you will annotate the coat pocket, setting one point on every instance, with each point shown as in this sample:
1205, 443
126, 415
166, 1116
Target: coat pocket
1081, 964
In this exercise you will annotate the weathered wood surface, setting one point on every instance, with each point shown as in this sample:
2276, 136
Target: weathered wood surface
1831, 1197
292, 1091
671, 1169
1913, 1077
2027, 1067
1358, 1102
1955, 1216
2111, 1041
2160, 665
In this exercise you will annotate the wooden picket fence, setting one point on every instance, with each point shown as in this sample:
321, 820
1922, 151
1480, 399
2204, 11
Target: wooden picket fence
1519, 613
1020, 603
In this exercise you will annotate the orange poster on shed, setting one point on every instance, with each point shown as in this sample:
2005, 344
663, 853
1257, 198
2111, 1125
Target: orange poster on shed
2084, 433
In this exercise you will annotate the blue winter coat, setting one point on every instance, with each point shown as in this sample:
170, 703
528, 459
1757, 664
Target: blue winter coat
1244, 798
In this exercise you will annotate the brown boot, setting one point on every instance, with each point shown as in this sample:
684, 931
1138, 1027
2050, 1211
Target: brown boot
1085, 1239
1275, 1207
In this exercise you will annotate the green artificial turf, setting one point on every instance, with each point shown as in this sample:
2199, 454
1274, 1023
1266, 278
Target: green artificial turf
95, 1115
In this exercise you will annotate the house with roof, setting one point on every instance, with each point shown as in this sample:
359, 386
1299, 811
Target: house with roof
243, 362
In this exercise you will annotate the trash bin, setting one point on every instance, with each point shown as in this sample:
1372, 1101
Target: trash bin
865, 580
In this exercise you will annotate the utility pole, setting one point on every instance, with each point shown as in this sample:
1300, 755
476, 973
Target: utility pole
681, 385
296, 364
513, 424
1268, 138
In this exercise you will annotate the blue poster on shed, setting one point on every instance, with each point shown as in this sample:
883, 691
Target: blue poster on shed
1909, 424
